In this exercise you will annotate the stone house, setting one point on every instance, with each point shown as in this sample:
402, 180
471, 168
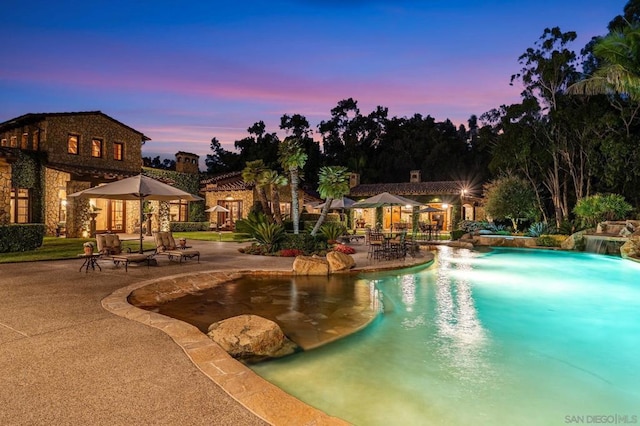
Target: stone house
230, 191
454, 199
45, 156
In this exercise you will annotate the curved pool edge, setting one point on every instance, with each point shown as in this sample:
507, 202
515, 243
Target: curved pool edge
260, 397
257, 395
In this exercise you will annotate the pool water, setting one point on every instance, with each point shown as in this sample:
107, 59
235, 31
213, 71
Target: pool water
513, 336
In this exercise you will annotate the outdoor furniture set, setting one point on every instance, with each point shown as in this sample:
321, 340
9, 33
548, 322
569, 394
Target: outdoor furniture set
109, 246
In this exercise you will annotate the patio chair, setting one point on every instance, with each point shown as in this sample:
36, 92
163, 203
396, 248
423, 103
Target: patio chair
110, 247
166, 246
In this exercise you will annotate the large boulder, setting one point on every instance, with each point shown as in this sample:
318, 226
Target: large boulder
310, 265
339, 261
251, 337
631, 248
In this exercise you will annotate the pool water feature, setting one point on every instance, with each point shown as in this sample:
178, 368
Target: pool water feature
513, 336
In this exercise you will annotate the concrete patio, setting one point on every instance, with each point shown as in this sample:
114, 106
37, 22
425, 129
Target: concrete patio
64, 359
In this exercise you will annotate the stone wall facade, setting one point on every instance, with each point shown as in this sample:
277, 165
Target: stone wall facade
65, 172
55, 193
5, 192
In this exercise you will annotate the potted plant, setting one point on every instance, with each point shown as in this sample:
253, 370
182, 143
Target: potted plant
182, 242
88, 248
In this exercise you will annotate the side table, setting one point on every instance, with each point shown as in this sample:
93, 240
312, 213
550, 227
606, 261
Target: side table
90, 260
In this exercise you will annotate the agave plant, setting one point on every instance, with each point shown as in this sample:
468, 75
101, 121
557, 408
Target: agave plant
333, 230
269, 235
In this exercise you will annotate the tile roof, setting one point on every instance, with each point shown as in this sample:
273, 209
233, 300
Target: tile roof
231, 181
92, 172
407, 188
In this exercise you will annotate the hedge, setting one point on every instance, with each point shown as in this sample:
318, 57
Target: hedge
21, 237
188, 226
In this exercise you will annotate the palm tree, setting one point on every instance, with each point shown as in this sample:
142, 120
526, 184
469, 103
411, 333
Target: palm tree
333, 182
293, 158
252, 174
274, 180
619, 72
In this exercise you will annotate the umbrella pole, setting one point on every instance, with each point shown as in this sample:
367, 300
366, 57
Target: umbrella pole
141, 219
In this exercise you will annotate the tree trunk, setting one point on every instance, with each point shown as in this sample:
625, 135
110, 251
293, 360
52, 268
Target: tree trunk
323, 215
262, 195
275, 201
295, 213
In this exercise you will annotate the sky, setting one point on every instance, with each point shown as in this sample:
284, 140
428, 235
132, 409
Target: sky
185, 72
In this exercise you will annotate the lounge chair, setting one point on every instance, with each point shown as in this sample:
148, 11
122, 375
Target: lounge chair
166, 245
110, 247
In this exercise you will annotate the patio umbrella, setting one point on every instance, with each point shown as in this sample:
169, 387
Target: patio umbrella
140, 187
339, 203
430, 210
384, 199
217, 209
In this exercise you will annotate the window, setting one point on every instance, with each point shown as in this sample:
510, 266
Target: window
3, 142
19, 205
96, 148
178, 211
118, 151
14, 141
24, 140
72, 144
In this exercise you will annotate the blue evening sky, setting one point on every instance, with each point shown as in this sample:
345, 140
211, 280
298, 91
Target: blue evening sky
184, 72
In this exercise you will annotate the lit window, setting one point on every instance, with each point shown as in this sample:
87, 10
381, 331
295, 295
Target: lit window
96, 148
118, 151
178, 211
3, 142
72, 144
14, 141
25, 139
19, 205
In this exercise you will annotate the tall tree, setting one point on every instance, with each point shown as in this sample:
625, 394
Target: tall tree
548, 69
292, 158
333, 183
297, 125
220, 160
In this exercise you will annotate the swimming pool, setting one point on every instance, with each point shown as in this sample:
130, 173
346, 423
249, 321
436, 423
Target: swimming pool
513, 336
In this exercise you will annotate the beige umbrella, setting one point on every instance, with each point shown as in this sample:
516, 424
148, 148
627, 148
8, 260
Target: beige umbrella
384, 199
217, 209
138, 187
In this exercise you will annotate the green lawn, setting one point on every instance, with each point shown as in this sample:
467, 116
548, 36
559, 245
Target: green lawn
68, 248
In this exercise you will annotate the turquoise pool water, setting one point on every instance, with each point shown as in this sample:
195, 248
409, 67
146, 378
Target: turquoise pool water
518, 337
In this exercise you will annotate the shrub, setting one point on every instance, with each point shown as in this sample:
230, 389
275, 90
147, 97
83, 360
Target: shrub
333, 230
22, 237
540, 228
344, 249
457, 234
598, 208
469, 226
305, 243
188, 226
547, 241
291, 252
269, 235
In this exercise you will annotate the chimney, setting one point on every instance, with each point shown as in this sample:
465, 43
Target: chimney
414, 176
354, 180
187, 163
